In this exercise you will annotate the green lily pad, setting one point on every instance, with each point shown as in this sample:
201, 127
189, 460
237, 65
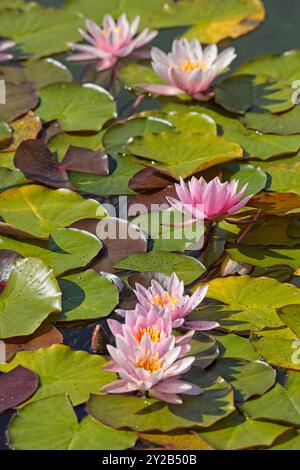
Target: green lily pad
19, 100
290, 315
31, 294
281, 67
87, 295
133, 73
9, 178
268, 231
5, 134
245, 173
254, 143
63, 370
213, 20
12, 4
290, 441
40, 31
114, 184
241, 93
51, 424
283, 174
204, 348
46, 72
281, 352
61, 142
247, 378
68, 102
60, 252
181, 440
117, 136
261, 146
39, 72
186, 121
251, 303
234, 346
264, 256
166, 238
96, 11
281, 404
285, 123
183, 154
146, 414
187, 268
236, 432
38, 210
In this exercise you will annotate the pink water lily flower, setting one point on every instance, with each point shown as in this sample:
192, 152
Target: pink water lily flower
211, 201
4, 45
111, 41
155, 322
150, 367
170, 299
188, 69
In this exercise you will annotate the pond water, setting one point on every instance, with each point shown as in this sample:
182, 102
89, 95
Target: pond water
278, 33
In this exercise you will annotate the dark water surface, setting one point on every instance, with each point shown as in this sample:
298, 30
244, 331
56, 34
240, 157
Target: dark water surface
280, 32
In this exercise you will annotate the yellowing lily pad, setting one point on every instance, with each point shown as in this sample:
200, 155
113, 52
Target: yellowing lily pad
5, 134
183, 154
26, 127
221, 20
251, 303
38, 210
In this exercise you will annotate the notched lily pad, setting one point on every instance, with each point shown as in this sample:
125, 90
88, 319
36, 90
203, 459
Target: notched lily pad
145, 414
68, 102
61, 430
183, 155
30, 295
19, 100
86, 296
60, 252
38, 210
241, 93
187, 268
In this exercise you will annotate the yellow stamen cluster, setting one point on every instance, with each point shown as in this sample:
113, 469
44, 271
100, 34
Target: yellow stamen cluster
165, 299
153, 332
188, 66
107, 31
150, 363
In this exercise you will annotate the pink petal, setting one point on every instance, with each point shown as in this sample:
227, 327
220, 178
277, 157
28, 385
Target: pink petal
119, 386
178, 386
200, 325
167, 397
165, 90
